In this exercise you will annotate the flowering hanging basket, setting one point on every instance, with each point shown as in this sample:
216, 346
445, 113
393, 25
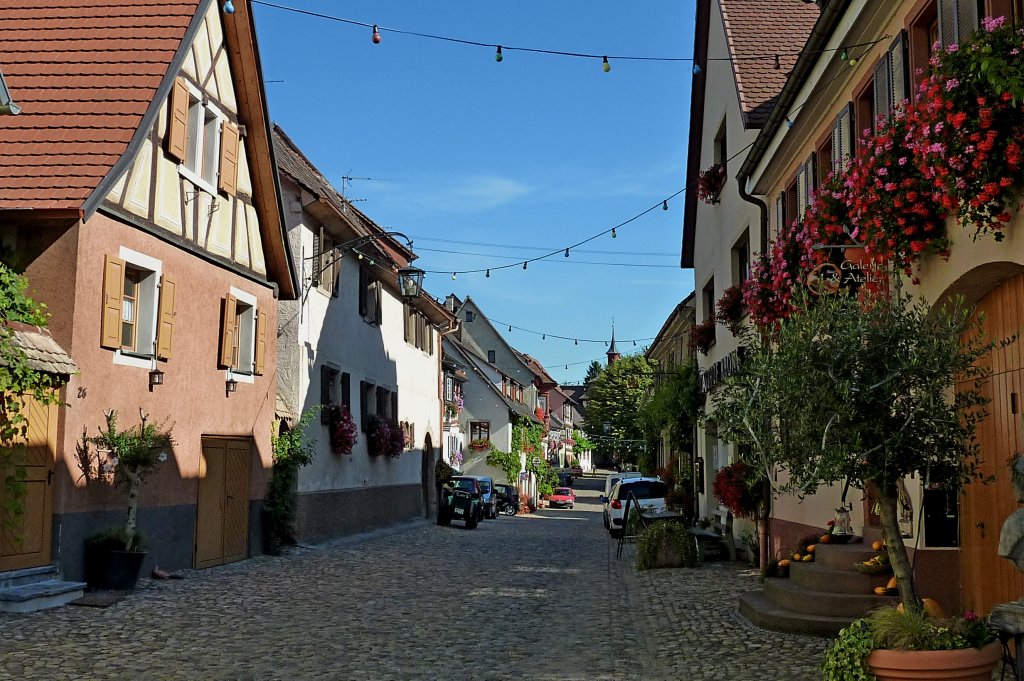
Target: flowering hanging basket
733, 488
480, 445
384, 437
710, 183
342, 429
729, 310
702, 336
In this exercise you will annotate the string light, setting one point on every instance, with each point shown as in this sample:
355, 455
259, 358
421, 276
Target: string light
548, 52
229, 7
614, 235
853, 62
789, 122
664, 204
567, 252
543, 337
525, 263
777, 65
497, 55
488, 274
575, 341
453, 276
605, 66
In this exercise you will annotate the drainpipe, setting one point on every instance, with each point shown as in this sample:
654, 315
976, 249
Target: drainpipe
762, 207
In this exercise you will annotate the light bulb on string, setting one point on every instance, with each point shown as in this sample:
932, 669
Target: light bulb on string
497, 55
488, 275
696, 68
605, 66
844, 55
359, 256
853, 62
510, 328
664, 204
777, 65
525, 263
543, 336
453, 276
789, 122
567, 252
229, 7
376, 35
576, 341
614, 234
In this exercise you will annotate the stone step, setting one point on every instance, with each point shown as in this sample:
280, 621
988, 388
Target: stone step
791, 596
820, 577
756, 607
27, 576
843, 556
51, 593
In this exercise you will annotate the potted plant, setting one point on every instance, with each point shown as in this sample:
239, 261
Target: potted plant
710, 183
123, 459
480, 445
891, 642
702, 336
383, 437
342, 429
729, 310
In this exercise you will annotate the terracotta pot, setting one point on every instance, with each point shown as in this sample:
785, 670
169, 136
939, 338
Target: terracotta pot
970, 664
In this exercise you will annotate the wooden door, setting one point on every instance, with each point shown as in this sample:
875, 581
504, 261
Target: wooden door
986, 578
222, 512
25, 534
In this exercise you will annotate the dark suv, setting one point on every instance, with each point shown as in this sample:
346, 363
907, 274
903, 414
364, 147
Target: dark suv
461, 499
508, 499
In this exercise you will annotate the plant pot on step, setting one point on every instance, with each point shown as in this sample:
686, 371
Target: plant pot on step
123, 567
969, 664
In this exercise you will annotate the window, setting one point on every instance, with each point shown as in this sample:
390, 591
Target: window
365, 391
490, 356
842, 139
418, 330
470, 316
479, 430
708, 298
741, 259
328, 390
449, 389
369, 297
346, 391
200, 138
243, 339
383, 403
542, 403
138, 309
721, 147
326, 263
958, 19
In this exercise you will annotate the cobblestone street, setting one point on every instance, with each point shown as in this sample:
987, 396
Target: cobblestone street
537, 597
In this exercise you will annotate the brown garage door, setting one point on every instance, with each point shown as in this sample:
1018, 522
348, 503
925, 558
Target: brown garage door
222, 515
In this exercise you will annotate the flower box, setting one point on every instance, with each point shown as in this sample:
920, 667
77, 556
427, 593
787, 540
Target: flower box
710, 183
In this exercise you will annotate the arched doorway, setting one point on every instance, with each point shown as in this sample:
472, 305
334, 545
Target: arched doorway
426, 469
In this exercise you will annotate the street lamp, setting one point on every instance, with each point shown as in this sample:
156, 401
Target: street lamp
410, 282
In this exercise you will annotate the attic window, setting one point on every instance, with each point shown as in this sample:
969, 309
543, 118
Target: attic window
202, 140
470, 316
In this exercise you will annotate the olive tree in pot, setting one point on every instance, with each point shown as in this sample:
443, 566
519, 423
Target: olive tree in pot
123, 458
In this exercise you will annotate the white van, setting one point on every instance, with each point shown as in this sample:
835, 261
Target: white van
611, 481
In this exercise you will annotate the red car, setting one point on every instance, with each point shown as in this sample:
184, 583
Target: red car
561, 497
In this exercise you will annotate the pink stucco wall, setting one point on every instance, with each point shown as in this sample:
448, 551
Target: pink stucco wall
68, 276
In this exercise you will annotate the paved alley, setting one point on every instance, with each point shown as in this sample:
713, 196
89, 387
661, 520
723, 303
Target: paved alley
536, 597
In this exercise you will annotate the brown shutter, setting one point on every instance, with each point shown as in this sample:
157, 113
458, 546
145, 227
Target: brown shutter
378, 293
113, 290
898, 78
407, 317
811, 175
363, 286
261, 342
227, 331
317, 247
394, 406
346, 391
229, 144
177, 120
165, 317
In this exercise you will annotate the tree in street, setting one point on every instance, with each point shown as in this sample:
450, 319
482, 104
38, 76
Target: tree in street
614, 398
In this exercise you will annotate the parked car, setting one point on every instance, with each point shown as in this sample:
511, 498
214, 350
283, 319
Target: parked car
562, 496
461, 499
565, 477
650, 494
610, 483
577, 471
489, 499
508, 499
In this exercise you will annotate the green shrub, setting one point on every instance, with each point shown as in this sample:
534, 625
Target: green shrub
116, 539
845, 658
665, 536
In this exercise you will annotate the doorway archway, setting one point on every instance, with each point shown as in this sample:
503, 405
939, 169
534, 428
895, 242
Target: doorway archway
426, 468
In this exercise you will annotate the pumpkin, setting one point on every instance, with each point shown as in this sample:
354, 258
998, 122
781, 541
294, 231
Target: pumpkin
784, 563
810, 549
807, 559
880, 590
824, 539
931, 608
892, 584
797, 556
877, 545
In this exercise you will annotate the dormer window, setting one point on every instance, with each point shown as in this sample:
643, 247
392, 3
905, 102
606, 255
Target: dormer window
202, 140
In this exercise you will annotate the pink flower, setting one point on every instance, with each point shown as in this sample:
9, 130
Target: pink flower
970, 616
992, 24
952, 84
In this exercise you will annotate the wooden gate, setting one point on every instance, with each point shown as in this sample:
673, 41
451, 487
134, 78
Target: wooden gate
986, 578
222, 514
25, 535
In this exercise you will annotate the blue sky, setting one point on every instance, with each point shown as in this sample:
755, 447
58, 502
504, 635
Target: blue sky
505, 159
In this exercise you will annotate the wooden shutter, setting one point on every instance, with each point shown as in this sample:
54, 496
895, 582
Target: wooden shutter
899, 80
317, 236
363, 292
801, 192
842, 138
882, 92
165, 317
261, 342
227, 331
780, 212
378, 293
346, 391
325, 392
966, 19
229, 144
394, 406
364, 404
177, 121
811, 178
113, 290
407, 312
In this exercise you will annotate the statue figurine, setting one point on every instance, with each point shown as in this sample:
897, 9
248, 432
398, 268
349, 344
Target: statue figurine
843, 525
1011, 539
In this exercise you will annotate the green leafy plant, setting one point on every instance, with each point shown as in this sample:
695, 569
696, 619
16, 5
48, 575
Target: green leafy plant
614, 399
443, 472
527, 435
292, 451
480, 444
507, 462
124, 458
845, 658
664, 537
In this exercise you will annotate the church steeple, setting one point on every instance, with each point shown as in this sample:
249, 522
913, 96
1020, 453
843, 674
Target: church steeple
612, 353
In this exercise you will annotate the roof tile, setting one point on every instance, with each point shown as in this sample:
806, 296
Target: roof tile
759, 28
84, 72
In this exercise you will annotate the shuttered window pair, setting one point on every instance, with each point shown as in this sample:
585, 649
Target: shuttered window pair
326, 263
891, 80
200, 138
243, 336
958, 19
842, 140
418, 330
369, 297
138, 309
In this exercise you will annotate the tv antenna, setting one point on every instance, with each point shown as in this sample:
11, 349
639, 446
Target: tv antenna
346, 180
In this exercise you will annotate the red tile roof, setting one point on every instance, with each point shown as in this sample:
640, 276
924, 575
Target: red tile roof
84, 73
764, 27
